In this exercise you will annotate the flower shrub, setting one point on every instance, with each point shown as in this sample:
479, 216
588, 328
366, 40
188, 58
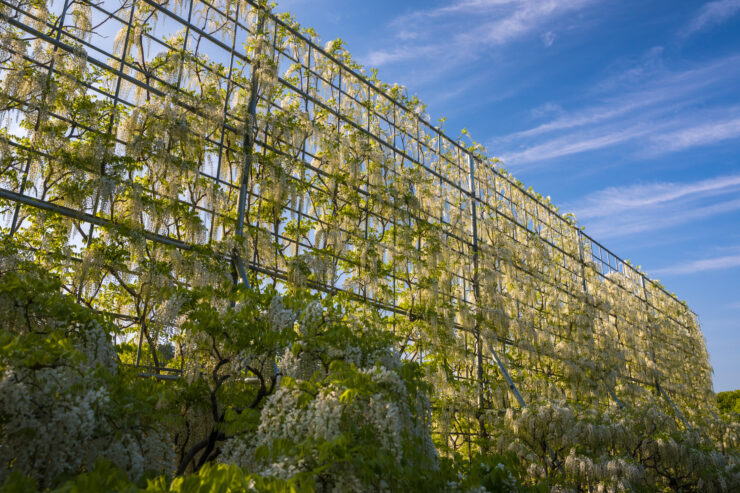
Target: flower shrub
66, 403
343, 411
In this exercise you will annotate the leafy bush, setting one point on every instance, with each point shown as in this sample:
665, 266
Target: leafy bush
342, 411
348, 410
65, 400
729, 402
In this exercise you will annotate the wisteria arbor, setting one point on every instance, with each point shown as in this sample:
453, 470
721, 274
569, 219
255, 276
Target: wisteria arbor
155, 148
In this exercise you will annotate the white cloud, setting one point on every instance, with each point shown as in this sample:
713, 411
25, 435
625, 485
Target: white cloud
651, 87
698, 135
570, 144
379, 58
622, 211
469, 6
701, 265
712, 14
619, 199
548, 38
546, 109
650, 219
584, 117
464, 29
527, 16
653, 110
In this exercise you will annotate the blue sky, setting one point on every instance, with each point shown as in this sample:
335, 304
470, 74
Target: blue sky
626, 113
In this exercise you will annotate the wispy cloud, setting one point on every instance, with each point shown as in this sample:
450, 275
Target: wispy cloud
525, 17
469, 26
383, 57
622, 211
545, 110
712, 14
657, 110
615, 200
647, 84
701, 265
651, 219
697, 135
570, 144
548, 38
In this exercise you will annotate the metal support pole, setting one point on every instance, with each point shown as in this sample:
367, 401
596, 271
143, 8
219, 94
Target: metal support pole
476, 293
675, 409
583, 262
658, 387
616, 399
515, 391
505, 373
652, 351
224, 113
248, 149
111, 122
15, 224
585, 290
